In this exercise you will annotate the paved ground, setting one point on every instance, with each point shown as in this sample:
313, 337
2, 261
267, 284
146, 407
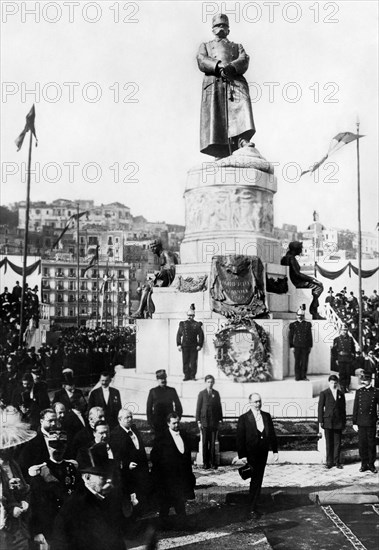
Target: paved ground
305, 507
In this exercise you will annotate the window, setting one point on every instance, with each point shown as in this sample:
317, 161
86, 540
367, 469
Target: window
110, 240
72, 285
82, 274
71, 313
45, 272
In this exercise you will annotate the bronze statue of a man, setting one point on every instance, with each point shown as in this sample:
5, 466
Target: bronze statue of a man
164, 277
226, 113
299, 279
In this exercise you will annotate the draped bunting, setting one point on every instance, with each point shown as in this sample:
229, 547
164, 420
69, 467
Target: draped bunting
29, 270
335, 274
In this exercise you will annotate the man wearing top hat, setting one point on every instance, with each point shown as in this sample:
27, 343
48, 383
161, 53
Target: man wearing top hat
92, 517
332, 419
365, 416
190, 340
161, 401
69, 394
226, 113
300, 339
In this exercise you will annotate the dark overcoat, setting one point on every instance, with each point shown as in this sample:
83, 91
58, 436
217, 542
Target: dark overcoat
213, 128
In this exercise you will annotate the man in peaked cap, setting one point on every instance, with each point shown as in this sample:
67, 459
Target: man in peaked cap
92, 516
365, 416
343, 351
52, 482
161, 401
300, 339
190, 340
226, 113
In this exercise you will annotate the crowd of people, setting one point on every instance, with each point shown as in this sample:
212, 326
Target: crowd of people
346, 306
82, 478
10, 308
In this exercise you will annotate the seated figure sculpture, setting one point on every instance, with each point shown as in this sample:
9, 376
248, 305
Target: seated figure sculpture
162, 278
299, 279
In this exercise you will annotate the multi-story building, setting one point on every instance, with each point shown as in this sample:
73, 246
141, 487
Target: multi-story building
100, 293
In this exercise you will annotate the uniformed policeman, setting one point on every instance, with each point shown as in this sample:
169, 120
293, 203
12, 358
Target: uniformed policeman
51, 484
190, 340
365, 415
300, 339
343, 351
161, 401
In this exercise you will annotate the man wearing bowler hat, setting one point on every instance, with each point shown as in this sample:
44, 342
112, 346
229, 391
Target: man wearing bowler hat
92, 517
365, 416
332, 419
161, 401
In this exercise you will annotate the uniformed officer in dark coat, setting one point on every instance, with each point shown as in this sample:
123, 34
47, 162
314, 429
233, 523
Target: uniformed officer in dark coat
332, 419
52, 482
226, 112
300, 339
343, 352
208, 417
190, 340
161, 401
365, 415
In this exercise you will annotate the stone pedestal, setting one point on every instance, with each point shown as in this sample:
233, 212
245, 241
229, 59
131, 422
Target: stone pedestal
229, 209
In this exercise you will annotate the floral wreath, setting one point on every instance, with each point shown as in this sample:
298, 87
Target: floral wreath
257, 367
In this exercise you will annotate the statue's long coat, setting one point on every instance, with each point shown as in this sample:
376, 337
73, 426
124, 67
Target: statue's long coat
213, 131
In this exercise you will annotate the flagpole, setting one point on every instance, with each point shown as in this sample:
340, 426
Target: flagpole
97, 290
78, 268
359, 242
25, 242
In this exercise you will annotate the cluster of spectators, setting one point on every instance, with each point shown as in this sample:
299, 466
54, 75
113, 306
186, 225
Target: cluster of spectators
10, 307
346, 306
87, 351
85, 478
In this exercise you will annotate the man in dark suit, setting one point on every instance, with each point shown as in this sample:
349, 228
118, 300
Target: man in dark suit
343, 352
208, 416
69, 394
92, 516
172, 474
31, 399
300, 339
84, 437
365, 416
161, 401
255, 436
190, 340
332, 419
129, 452
108, 398
36, 450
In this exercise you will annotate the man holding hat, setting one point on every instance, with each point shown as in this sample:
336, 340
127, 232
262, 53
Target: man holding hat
343, 351
226, 113
300, 339
161, 401
332, 419
92, 517
365, 416
190, 340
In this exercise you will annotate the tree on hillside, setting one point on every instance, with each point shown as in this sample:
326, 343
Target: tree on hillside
8, 217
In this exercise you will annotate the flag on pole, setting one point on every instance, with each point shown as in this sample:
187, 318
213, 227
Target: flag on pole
71, 220
30, 117
337, 142
93, 256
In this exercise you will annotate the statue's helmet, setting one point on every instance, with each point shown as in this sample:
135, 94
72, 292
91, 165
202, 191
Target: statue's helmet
220, 19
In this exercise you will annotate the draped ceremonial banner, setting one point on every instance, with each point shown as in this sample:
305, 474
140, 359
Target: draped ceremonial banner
237, 286
365, 274
29, 270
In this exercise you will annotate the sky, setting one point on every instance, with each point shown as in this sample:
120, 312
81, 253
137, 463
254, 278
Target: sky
117, 93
